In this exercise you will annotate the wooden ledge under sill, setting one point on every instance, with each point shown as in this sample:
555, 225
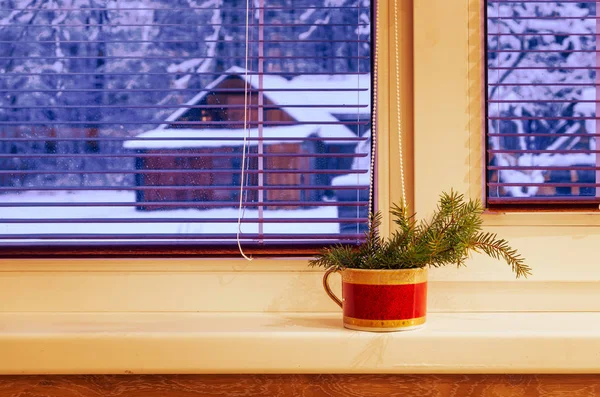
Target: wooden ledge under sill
294, 343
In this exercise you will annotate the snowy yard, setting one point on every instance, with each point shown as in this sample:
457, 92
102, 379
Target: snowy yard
142, 228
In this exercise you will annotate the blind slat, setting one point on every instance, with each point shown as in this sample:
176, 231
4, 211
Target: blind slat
183, 57
541, 151
190, 188
546, 168
188, 41
543, 84
539, 134
550, 184
154, 25
542, 34
543, 118
544, 68
183, 204
220, 237
270, 7
188, 171
187, 155
189, 123
161, 90
546, 200
539, 1
181, 138
225, 107
179, 220
548, 18
542, 101
562, 51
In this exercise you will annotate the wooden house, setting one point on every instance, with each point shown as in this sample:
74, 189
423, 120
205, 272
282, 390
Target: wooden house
205, 138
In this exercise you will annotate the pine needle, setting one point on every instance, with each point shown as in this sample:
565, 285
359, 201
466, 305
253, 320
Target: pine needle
452, 233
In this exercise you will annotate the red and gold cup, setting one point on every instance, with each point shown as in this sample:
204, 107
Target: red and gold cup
381, 300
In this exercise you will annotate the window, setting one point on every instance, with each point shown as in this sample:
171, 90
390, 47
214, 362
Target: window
542, 100
445, 106
122, 123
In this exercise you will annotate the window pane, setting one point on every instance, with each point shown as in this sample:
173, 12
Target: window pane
125, 120
542, 100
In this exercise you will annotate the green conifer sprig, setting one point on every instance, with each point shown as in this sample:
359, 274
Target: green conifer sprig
454, 231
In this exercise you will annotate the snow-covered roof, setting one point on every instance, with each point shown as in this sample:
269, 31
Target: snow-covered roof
319, 121
334, 98
145, 140
307, 82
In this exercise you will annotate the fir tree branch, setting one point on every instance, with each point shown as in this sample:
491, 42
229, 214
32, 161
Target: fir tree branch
499, 249
452, 234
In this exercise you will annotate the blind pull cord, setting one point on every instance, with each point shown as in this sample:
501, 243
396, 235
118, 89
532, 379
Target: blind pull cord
240, 208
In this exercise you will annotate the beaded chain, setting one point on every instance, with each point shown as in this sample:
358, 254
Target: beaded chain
398, 107
374, 115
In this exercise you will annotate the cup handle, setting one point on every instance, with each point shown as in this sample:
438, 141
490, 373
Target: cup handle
330, 293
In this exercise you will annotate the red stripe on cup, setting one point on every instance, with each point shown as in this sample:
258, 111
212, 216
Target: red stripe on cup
385, 302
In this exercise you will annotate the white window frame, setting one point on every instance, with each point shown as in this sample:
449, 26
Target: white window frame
441, 89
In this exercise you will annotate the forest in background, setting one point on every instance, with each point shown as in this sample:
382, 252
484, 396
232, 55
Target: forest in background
542, 77
90, 69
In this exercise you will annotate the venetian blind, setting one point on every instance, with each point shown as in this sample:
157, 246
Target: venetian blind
542, 101
122, 123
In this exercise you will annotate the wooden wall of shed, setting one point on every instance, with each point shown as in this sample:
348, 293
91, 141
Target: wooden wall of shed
296, 179
193, 186
175, 185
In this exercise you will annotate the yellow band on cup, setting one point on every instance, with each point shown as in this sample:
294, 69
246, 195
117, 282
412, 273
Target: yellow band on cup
385, 277
384, 323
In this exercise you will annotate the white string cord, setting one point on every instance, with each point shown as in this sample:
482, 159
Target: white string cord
399, 108
239, 222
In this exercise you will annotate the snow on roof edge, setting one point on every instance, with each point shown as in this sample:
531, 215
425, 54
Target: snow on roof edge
297, 132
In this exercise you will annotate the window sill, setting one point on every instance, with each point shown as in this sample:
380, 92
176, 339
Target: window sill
144, 343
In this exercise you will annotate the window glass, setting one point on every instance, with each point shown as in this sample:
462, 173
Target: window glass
124, 121
542, 64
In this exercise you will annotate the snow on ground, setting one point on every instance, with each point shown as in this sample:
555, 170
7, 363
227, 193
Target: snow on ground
105, 212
